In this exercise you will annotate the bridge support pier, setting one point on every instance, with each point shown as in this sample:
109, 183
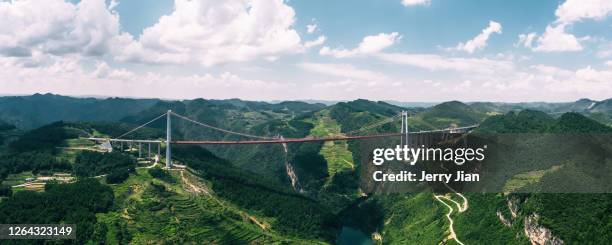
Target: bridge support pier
139, 150
404, 130
168, 140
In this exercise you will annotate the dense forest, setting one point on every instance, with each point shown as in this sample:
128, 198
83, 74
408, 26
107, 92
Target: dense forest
75, 203
45, 138
574, 217
36, 151
37, 162
4, 126
116, 165
162, 175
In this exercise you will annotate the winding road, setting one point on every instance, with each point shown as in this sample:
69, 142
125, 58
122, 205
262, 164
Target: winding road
460, 209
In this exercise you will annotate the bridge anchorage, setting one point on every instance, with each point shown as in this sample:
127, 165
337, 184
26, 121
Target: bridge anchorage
417, 138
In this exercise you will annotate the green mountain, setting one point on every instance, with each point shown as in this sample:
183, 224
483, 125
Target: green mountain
604, 106
601, 111
576, 123
581, 105
33, 111
6, 131
530, 121
447, 114
4, 126
310, 193
526, 121
355, 114
553, 157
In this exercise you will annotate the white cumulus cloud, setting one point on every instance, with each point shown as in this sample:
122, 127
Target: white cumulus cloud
311, 28
369, 45
57, 27
213, 32
526, 39
556, 38
415, 2
576, 10
319, 41
113, 4
480, 41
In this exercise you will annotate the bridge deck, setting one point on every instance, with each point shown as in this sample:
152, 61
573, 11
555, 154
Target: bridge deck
279, 141
125, 140
289, 140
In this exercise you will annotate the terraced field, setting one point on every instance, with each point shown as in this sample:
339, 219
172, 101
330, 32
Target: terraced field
17, 179
156, 211
336, 153
524, 179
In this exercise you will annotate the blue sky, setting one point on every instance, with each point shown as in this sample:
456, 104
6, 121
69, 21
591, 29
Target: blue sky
406, 50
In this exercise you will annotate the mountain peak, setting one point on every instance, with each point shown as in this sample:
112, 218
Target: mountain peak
585, 100
573, 122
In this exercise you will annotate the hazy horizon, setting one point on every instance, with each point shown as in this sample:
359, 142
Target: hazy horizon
327, 102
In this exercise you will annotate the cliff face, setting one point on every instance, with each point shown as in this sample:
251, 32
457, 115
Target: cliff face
537, 234
513, 206
504, 220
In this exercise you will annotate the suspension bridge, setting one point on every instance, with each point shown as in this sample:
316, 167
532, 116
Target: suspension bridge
418, 138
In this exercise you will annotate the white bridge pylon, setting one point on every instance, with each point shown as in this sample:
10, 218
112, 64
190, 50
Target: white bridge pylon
404, 129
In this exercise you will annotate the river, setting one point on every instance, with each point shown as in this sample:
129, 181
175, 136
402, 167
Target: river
352, 236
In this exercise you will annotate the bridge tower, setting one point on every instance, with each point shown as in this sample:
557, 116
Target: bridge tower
404, 129
168, 140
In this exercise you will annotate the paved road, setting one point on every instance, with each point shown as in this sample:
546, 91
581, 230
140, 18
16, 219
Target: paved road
460, 209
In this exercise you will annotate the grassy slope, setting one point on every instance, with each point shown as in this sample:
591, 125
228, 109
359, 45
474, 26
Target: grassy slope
336, 153
173, 215
413, 219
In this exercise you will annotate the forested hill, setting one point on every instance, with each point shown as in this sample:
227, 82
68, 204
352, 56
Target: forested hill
530, 121
33, 111
527, 121
27, 112
547, 162
4, 126
598, 110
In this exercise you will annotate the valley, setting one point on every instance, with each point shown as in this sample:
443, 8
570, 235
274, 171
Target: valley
299, 193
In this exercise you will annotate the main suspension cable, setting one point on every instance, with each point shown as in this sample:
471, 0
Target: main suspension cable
220, 129
141, 126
